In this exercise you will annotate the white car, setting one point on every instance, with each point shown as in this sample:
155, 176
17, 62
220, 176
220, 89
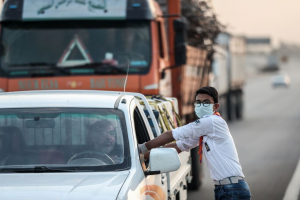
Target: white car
82, 145
281, 79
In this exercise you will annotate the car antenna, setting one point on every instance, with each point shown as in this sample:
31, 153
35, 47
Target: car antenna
127, 74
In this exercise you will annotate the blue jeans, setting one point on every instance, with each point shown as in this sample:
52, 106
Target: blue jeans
235, 191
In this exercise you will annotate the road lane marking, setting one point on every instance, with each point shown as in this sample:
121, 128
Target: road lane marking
293, 188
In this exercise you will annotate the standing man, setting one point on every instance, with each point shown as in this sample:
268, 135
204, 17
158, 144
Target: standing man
211, 132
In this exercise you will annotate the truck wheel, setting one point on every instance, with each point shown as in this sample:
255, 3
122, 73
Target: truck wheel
223, 107
196, 170
240, 105
230, 105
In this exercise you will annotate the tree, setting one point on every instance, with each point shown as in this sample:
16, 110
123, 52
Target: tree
203, 26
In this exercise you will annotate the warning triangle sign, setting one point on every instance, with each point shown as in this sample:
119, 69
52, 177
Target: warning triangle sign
75, 54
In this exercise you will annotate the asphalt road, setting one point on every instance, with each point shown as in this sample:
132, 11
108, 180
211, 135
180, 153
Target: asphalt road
267, 139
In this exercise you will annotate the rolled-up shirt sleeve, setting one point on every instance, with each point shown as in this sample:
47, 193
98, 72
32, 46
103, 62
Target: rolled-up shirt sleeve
193, 130
187, 144
182, 132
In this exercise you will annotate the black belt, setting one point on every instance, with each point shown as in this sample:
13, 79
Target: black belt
229, 180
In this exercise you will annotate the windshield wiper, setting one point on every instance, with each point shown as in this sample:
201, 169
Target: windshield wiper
100, 68
50, 169
32, 64
37, 66
40, 169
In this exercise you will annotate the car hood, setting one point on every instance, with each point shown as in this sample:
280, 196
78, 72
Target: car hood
62, 186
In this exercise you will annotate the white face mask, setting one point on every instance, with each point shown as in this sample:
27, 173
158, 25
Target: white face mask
202, 111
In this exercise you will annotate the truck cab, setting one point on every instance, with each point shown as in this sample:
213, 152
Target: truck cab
82, 45
83, 145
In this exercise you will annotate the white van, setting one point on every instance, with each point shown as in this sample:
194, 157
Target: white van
82, 145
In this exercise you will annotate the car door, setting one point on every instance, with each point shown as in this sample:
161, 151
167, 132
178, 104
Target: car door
156, 184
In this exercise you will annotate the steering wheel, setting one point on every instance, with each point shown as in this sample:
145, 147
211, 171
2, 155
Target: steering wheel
93, 154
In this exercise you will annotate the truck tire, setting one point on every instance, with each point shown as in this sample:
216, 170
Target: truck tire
232, 102
240, 105
196, 171
223, 107
229, 107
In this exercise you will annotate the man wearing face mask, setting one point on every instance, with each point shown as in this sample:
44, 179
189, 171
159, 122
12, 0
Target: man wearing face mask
212, 135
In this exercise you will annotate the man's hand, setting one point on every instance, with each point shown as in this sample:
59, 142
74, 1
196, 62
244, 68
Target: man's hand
142, 148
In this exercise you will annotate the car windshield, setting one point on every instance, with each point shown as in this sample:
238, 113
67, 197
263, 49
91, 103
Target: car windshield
75, 47
77, 139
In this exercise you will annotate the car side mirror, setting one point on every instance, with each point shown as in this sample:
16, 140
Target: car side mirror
163, 160
180, 42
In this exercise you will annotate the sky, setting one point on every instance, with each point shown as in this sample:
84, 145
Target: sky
278, 19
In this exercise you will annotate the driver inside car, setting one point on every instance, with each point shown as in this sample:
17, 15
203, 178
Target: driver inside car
103, 137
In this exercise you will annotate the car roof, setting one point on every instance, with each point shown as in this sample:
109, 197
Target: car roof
62, 98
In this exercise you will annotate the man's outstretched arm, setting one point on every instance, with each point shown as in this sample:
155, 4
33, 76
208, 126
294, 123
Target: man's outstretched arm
171, 145
185, 144
161, 140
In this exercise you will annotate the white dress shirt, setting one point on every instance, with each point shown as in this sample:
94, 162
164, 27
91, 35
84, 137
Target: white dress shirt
218, 145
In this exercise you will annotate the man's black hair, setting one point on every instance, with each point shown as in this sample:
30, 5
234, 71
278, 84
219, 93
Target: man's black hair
211, 91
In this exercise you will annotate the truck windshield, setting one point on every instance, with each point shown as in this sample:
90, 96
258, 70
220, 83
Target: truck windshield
72, 47
63, 139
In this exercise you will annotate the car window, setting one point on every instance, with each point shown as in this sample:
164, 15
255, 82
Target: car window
77, 138
142, 134
140, 127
